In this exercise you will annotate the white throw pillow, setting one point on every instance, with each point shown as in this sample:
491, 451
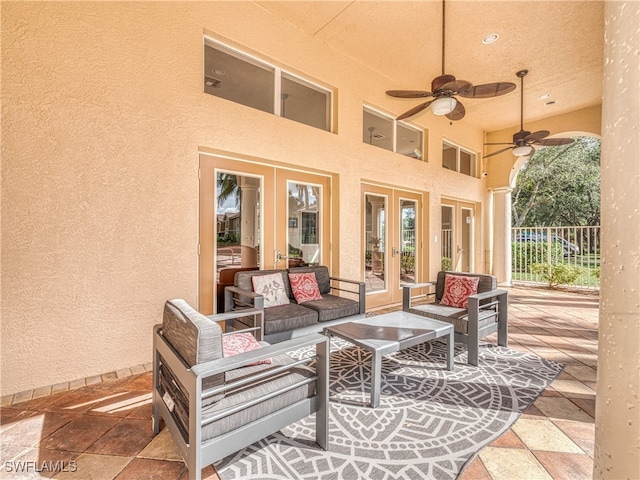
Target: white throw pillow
272, 288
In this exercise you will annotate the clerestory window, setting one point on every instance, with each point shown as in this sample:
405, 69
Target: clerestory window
458, 159
244, 79
383, 131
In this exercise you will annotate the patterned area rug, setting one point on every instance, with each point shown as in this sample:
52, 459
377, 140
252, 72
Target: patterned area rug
429, 425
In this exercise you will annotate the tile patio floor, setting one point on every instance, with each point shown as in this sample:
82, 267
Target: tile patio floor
105, 427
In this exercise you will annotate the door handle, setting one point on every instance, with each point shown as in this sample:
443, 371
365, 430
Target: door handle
395, 251
279, 256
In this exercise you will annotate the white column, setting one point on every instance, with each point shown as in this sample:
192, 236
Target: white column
617, 440
249, 222
502, 235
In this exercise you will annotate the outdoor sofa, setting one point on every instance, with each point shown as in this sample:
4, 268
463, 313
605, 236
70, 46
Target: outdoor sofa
292, 319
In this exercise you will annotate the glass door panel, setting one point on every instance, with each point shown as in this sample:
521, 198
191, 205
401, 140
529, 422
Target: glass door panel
392, 242
409, 251
458, 236
375, 207
302, 225
237, 220
466, 240
234, 227
447, 238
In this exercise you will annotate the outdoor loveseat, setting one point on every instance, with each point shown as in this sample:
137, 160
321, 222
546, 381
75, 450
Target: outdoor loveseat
291, 317
219, 393
486, 312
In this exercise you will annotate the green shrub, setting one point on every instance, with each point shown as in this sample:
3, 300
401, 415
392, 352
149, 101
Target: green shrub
558, 274
446, 263
596, 272
524, 254
408, 263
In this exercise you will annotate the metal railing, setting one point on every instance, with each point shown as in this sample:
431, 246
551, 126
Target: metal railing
570, 251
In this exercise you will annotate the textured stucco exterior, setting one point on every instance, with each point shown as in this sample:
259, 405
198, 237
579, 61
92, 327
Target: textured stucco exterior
103, 116
617, 452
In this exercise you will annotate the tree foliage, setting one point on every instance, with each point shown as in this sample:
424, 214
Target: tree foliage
559, 186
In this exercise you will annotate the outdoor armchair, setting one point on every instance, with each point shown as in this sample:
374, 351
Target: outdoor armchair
213, 405
486, 313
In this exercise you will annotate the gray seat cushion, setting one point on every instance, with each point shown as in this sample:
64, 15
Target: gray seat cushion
456, 316
332, 307
262, 409
241, 395
288, 317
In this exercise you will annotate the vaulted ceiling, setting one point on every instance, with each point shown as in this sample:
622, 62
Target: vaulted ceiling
559, 42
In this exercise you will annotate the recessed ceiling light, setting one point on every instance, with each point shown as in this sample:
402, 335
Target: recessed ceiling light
542, 97
218, 71
550, 102
492, 37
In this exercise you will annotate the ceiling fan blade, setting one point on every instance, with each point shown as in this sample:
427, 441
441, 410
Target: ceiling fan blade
408, 93
501, 143
457, 113
457, 86
535, 137
499, 151
551, 142
414, 110
489, 90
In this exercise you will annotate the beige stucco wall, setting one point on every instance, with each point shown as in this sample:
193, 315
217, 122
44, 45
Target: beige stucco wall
102, 118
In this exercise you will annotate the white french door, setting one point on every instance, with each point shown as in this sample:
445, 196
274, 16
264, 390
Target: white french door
458, 236
257, 215
392, 242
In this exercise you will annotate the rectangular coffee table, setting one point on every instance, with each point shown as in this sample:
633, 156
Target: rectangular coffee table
388, 333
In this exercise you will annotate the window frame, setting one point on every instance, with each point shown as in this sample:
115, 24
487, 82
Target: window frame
394, 126
458, 148
278, 73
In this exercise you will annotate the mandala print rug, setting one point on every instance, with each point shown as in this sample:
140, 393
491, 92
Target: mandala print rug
430, 423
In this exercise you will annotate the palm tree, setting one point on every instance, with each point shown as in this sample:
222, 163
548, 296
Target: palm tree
228, 188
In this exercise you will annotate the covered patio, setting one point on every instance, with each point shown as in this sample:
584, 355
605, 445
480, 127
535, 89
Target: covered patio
102, 423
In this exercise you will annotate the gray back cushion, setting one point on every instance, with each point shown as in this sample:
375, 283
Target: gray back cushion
322, 276
196, 338
243, 280
486, 283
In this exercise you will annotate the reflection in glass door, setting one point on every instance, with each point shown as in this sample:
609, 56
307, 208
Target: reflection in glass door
304, 224
374, 234
238, 220
466, 240
457, 233
391, 242
408, 241
447, 218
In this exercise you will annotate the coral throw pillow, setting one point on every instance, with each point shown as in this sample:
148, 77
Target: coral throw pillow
305, 287
271, 287
239, 343
457, 290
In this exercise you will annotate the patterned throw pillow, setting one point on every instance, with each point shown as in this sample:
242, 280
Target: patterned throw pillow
457, 290
240, 343
272, 288
305, 287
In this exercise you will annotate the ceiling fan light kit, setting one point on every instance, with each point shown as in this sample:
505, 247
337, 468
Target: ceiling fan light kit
524, 141
443, 105
443, 89
522, 151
